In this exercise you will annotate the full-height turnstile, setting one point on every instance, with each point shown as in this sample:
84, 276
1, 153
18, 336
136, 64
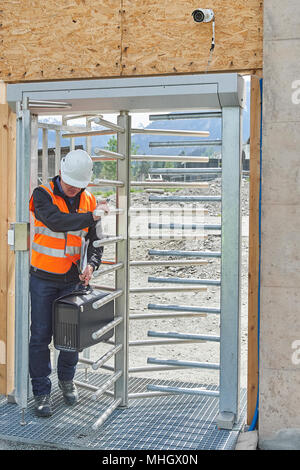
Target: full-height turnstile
223, 93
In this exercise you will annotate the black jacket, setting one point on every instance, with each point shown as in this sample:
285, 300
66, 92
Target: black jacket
57, 221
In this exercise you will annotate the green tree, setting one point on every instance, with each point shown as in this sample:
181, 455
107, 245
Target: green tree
109, 168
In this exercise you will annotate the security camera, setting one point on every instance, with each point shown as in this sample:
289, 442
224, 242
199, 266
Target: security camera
202, 15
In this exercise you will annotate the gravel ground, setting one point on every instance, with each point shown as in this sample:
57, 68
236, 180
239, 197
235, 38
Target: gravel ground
206, 324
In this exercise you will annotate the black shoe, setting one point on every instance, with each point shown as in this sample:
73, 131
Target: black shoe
69, 391
42, 405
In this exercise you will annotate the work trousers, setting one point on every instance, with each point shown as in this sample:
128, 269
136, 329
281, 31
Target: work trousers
43, 293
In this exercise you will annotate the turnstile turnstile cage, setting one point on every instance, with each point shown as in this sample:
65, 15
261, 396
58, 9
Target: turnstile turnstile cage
229, 311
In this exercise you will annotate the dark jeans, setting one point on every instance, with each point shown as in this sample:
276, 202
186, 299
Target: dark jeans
43, 293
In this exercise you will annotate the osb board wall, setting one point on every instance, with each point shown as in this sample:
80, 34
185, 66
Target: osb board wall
161, 36
87, 38
57, 39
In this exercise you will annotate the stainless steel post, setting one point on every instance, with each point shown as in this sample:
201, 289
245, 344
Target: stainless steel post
230, 268
122, 256
22, 257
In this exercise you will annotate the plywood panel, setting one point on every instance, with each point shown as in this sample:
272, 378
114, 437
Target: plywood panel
161, 37
11, 217
7, 280
83, 38
59, 39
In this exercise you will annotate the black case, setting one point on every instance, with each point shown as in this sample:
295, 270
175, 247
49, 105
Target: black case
75, 319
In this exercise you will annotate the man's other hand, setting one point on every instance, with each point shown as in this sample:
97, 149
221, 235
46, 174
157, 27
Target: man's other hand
86, 275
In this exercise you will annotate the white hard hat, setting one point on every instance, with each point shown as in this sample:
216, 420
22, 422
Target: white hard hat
76, 168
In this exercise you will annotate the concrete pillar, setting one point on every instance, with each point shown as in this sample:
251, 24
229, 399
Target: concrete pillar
279, 411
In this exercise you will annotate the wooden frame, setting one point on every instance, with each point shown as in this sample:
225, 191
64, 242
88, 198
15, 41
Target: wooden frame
253, 269
7, 267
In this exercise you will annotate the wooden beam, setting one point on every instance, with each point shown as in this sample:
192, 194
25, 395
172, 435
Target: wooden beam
2, 92
253, 274
7, 278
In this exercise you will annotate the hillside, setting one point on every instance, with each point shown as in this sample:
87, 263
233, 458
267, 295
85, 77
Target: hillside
142, 141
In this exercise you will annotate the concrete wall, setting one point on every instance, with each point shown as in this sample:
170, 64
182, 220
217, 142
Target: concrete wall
279, 413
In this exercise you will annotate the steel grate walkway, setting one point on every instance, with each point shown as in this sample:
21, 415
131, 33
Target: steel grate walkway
179, 422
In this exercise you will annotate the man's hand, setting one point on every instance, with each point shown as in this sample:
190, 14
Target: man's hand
103, 206
86, 275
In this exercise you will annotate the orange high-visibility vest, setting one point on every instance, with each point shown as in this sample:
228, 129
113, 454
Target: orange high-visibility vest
55, 252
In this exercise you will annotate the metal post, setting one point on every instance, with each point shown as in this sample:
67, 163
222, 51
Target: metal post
22, 257
57, 152
122, 256
45, 157
230, 269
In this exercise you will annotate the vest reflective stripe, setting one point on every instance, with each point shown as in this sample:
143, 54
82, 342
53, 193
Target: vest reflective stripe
42, 230
55, 252
48, 251
46, 231
73, 250
78, 233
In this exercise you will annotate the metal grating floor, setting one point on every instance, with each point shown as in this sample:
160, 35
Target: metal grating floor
181, 422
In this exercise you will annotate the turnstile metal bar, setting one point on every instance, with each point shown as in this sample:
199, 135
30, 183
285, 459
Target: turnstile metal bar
164, 342
184, 308
172, 236
85, 360
103, 271
86, 386
187, 143
187, 336
169, 210
180, 280
184, 391
108, 383
170, 158
101, 213
99, 363
108, 153
170, 132
142, 316
59, 127
70, 117
185, 226
134, 396
88, 133
103, 122
107, 298
175, 116
107, 241
168, 262
168, 184
97, 334
103, 182
185, 198
156, 368
200, 365
106, 414
184, 171
48, 104
196, 254
151, 290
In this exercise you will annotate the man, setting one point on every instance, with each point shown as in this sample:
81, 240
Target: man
63, 214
